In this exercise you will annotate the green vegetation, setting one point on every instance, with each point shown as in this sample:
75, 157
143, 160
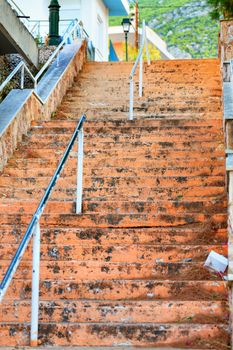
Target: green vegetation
221, 8
186, 25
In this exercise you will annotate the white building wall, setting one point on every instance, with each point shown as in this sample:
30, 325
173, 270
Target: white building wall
93, 14
38, 10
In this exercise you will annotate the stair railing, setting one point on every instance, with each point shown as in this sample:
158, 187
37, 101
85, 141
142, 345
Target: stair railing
34, 230
21, 67
139, 59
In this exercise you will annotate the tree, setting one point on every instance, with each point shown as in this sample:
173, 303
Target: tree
221, 8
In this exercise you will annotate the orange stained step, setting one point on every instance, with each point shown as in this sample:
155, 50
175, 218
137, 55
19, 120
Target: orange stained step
129, 270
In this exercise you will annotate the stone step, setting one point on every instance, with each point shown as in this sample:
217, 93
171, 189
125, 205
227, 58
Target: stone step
115, 183
136, 312
139, 152
108, 130
123, 114
117, 220
147, 335
133, 123
74, 271
52, 141
168, 135
120, 194
162, 109
197, 234
118, 254
91, 152
117, 290
34, 169
88, 348
13, 206
162, 101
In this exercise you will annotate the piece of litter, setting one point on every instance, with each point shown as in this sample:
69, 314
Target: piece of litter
216, 262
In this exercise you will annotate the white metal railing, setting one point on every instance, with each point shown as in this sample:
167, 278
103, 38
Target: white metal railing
98, 55
34, 230
144, 44
40, 28
76, 31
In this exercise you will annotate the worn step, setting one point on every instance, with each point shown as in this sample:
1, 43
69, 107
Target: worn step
147, 153
96, 270
117, 220
154, 335
131, 162
133, 131
34, 169
71, 124
51, 290
134, 253
11, 206
109, 183
119, 194
189, 312
197, 234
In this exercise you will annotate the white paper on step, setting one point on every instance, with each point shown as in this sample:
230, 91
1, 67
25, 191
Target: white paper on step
216, 262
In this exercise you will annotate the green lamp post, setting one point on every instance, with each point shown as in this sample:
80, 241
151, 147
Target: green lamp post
54, 38
126, 23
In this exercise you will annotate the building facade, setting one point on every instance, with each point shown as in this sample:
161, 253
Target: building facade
94, 15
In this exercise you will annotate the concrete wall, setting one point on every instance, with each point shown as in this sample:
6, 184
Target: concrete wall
16, 118
14, 36
226, 40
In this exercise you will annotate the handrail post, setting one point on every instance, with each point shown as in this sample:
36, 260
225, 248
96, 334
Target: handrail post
147, 50
22, 77
35, 286
80, 172
131, 98
141, 76
141, 59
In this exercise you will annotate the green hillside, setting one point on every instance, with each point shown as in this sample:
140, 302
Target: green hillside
185, 25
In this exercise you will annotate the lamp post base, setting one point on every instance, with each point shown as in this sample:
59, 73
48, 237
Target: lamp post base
54, 40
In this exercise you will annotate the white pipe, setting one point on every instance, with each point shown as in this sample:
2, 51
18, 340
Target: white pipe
141, 59
131, 99
147, 50
141, 76
80, 172
35, 286
22, 78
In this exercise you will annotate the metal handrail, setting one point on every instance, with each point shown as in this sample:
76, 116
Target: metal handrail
11, 75
144, 43
34, 229
56, 52
22, 65
98, 53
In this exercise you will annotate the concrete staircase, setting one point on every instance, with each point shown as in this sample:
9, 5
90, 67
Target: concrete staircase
129, 271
